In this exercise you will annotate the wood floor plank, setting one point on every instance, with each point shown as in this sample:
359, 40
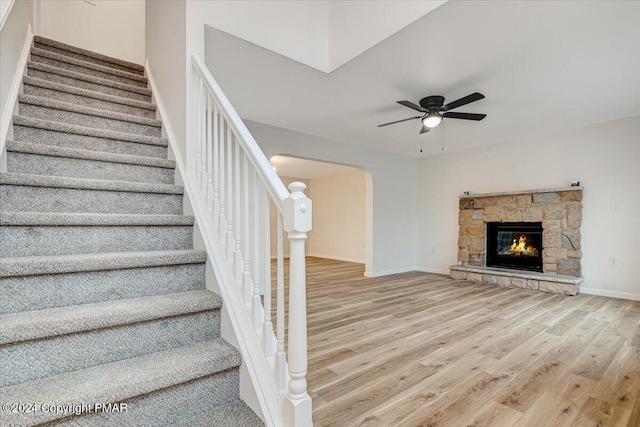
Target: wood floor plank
599, 413
598, 355
492, 414
522, 392
620, 383
420, 349
567, 322
560, 402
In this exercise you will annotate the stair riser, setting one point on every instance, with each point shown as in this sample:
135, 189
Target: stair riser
52, 114
167, 406
23, 361
66, 240
88, 102
28, 293
15, 198
91, 169
83, 142
87, 85
86, 58
88, 71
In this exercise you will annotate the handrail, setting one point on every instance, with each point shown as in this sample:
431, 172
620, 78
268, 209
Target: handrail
274, 184
234, 187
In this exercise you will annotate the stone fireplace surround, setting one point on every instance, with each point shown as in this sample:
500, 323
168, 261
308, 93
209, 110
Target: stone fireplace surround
559, 210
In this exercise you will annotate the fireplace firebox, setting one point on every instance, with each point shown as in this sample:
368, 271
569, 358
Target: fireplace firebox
516, 245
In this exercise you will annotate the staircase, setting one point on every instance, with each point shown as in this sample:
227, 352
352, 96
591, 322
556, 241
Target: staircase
102, 296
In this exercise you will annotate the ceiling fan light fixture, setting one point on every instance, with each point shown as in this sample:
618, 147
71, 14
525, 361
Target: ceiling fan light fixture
432, 119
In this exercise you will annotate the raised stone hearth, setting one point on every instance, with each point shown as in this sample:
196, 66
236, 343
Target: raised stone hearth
559, 211
567, 285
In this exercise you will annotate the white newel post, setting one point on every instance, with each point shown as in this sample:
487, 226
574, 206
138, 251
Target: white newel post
297, 222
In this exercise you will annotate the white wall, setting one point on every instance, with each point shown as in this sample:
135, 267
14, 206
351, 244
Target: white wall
605, 158
165, 35
375, 21
12, 41
114, 28
296, 29
393, 180
339, 209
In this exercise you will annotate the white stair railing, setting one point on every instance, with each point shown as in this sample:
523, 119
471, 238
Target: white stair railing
237, 185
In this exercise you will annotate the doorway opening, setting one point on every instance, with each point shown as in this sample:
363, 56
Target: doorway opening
342, 208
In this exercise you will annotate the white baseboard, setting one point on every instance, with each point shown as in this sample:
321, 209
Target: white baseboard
406, 270
7, 115
337, 258
433, 270
611, 294
388, 272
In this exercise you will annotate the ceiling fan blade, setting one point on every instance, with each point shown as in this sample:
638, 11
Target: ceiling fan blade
462, 101
424, 129
399, 121
412, 105
464, 116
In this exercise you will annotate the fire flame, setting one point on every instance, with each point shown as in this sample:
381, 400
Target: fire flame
520, 245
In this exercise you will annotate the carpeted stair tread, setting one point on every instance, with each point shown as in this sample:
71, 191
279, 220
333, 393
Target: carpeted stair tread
87, 78
87, 131
87, 184
34, 81
84, 67
40, 265
73, 153
85, 64
31, 325
86, 116
232, 415
92, 219
88, 53
89, 111
120, 381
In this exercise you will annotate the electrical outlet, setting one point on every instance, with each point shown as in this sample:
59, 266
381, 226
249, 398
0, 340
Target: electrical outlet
613, 262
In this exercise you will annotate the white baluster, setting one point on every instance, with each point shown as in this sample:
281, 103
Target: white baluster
257, 311
297, 222
246, 236
263, 262
256, 272
281, 362
265, 288
222, 232
199, 134
229, 193
237, 214
203, 142
216, 165
210, 152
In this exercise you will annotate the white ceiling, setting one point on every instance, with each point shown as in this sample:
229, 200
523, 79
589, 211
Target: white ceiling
294, 167
544, 67
321, 34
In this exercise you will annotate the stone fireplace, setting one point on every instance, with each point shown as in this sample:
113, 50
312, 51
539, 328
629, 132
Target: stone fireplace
529, 239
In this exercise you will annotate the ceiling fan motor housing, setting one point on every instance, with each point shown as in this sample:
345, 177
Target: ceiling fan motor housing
432, 103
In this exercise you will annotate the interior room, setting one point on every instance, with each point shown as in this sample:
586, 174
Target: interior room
330, 213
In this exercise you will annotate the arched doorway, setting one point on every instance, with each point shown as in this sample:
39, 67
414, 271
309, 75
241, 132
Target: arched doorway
342, 210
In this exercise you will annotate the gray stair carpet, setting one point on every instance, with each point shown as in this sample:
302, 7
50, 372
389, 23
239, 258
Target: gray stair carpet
102, 295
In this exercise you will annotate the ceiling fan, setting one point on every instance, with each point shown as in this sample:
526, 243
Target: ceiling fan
434, 110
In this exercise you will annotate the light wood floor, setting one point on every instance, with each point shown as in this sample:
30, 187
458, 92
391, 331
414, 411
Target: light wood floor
419, 349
